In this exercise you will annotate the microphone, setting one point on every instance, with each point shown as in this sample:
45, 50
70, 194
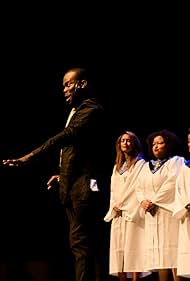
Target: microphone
77, 86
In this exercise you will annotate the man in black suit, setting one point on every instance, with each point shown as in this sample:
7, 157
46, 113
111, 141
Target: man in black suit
81, 170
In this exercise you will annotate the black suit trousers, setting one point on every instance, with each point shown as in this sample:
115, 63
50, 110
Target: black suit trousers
84, 217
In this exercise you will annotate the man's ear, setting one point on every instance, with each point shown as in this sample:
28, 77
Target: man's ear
83, 83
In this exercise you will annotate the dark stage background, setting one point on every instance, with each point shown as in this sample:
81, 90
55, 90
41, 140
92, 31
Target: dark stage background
141, 75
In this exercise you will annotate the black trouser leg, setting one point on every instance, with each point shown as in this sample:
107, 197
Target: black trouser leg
79, 217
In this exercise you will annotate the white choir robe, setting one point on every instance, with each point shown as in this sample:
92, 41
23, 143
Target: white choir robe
182, 198
127, 231
161, 230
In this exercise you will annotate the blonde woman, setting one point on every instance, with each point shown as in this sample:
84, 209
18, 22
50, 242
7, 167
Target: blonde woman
127, 228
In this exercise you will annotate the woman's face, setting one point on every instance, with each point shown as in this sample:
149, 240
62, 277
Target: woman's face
188, 142
159, 147
126, 143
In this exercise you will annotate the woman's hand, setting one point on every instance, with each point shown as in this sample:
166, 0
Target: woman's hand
146, 205
118, 212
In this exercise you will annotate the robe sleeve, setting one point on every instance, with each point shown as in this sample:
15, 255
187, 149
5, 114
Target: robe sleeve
182, 196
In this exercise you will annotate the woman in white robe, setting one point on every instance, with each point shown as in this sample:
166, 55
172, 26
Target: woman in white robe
127, 228
182, 212
156, 194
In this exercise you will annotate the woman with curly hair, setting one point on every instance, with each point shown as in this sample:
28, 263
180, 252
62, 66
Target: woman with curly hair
156, 194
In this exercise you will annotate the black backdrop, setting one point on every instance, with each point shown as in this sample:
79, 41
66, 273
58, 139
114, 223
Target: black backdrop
141, 77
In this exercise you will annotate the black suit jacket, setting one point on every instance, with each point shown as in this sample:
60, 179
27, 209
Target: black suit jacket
82, 144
